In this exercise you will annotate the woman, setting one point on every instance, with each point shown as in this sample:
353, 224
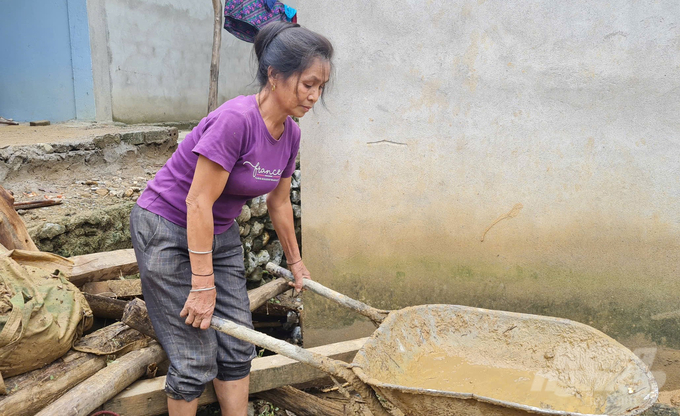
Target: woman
183, 227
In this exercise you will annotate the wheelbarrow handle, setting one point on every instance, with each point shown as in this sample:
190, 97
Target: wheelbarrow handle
318, 361
375, 315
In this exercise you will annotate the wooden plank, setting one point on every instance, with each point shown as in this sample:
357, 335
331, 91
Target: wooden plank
147, 398
114, 288
102, 266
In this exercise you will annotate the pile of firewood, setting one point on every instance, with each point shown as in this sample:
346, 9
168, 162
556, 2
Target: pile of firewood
98, 375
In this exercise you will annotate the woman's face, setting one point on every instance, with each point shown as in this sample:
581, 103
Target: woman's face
297, 96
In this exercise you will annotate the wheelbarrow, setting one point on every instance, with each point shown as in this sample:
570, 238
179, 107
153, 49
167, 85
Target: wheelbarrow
586, 364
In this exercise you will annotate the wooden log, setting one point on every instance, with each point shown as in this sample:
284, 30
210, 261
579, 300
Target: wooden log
301, 403
114, 288
36, 204
147, 397
215, 57
262, 294
103, 307
8, 121
13, 233
136, 316
106, 383
116, 338
102, 266
30, 392
39, 123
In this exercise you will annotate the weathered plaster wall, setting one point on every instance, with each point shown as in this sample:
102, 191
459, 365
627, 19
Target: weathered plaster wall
152, 59
447, 115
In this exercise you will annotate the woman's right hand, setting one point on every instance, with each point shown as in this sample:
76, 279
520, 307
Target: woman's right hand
199, 306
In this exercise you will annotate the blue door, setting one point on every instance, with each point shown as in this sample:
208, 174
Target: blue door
39, 40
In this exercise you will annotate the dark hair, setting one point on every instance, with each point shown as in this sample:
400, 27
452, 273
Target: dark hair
289, 49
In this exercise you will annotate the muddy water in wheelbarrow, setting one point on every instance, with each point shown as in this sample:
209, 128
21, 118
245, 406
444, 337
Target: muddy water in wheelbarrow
493, 363
572, 368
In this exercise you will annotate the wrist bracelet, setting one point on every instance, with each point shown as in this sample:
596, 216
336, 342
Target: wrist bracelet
295, 262
205, 289
203, 275
199, 252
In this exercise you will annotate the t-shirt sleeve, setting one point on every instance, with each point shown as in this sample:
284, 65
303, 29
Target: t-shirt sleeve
295, 148
222, 139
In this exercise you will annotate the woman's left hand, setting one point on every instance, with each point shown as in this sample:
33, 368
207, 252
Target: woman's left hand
299, 272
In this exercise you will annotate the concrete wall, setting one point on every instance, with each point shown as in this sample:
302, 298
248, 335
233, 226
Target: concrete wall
446, 116
45, 67
152, 59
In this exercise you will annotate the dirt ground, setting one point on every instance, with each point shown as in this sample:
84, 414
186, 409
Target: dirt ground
57, 133
107, 180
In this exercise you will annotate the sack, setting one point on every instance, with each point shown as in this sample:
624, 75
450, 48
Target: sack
244, 18
41, 313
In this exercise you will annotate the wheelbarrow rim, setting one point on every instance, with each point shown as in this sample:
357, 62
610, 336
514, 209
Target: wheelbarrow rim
647, 402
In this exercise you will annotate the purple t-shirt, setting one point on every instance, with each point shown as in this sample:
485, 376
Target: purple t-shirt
235, 137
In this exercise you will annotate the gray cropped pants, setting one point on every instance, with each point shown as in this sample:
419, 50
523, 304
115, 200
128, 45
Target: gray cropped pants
196, 356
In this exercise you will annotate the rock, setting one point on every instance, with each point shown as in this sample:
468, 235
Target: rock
91, 182
117, 193
261, 241
250, 263
47, 148
295, 197
128, 193
102, 191
244, 230
245, 215
247, 244
263, 257
297, 211
264, 238
256, 275
275, 250
51, 230
268, 224
258, 206
295, 180
256, 229
21, 212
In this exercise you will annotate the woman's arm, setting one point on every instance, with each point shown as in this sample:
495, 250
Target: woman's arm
207, 185
281, 213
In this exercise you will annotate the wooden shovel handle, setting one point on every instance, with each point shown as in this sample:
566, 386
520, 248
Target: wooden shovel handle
375, 315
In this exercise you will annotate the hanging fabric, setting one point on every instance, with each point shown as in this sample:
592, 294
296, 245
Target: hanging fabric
244, 18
